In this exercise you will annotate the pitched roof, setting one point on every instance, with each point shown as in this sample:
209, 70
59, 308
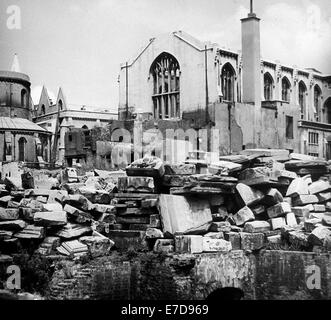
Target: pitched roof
18, 124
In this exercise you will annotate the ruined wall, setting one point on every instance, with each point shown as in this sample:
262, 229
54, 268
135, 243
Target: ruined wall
264, 275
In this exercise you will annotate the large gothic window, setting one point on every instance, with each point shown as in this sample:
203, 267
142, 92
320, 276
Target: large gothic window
21, 149
166, 86
268, 87
286, 89
317, 99
302, 98
227, 77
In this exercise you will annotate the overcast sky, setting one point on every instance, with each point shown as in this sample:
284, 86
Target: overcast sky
79, 44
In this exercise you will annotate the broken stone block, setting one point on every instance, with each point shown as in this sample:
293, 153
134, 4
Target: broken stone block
327, 218
302, 200
31, 232
318, 235
324, 196
48, 219
234, 238
128, 238
258, 210
133, 219
49, 245
310, 224
220, 227
243, 215
81, 216
272, 197
216, 245
73, 248
310, 207
180, 169
277, 223
136, 184
153, 233
184, 214
319, 186
297, 187
80, 202
108, 218
291, 220
319, 208
71, 230
98, 245
252, 241
9, 214
287, 174
12, 225
316, 215
257, 226
42, 199
327, 243
13, 204
247, 195
53, 207
214, 235
300, 211
188, 244
275, 240
4, 200
298, 238
5, 235
103, 208
164, 245
278, 210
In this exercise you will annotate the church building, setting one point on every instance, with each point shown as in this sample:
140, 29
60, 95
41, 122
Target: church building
255, 103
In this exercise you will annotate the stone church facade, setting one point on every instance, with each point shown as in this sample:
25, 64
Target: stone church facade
254, 103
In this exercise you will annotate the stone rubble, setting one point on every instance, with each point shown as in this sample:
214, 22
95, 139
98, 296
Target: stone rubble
266, 202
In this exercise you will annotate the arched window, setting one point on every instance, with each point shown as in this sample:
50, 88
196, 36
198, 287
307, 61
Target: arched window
286, 89
268, 86
24, 99
317, 99
21, 149
43, 110
302, 98
327, 108
60, 105
165, 71
227, 78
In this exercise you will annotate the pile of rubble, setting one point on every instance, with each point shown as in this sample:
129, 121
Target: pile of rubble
259, 199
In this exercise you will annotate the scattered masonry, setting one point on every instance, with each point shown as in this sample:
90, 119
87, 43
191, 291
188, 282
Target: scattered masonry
269, 202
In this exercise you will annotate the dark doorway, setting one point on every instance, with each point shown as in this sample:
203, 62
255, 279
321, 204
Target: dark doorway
21, 149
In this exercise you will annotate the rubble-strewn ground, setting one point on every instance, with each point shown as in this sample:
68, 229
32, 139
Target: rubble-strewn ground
262, 199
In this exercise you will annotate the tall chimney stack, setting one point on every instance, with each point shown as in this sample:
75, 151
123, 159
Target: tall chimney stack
251, 57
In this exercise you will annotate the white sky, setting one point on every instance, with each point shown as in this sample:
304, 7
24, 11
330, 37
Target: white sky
79, 44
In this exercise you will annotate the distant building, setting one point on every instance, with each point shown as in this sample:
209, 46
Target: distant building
254, 102
20, 138
60, 118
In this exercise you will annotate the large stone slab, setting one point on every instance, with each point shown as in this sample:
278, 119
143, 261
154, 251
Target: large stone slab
12, 225
319, 186
71, 230
31, 232
136, 184
318, 235
184, 214
278, 223
98, 245
48, 219
125, 239
164, 245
